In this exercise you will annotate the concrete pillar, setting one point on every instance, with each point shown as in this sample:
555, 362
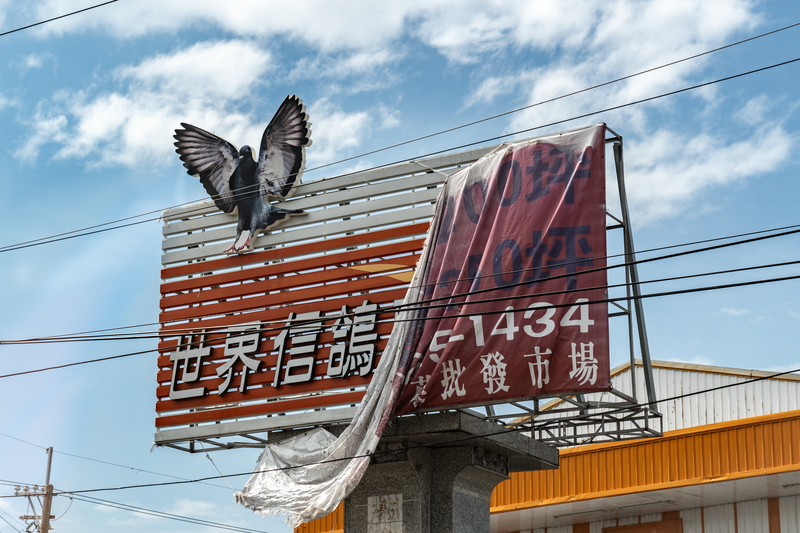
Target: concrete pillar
414, 485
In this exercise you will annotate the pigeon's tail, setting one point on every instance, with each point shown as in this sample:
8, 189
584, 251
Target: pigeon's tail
274, 215
287, 211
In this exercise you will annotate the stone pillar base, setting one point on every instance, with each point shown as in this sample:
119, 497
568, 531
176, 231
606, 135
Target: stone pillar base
435, 474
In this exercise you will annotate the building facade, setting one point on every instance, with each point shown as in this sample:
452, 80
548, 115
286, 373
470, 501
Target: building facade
729, 461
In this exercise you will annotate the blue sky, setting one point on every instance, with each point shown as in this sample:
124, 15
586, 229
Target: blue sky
88, 105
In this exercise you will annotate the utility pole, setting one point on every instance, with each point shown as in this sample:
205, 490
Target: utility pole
42, 523
48, 494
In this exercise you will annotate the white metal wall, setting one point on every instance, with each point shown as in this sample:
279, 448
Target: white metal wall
750, 517
719, 519
790, 514
692, 520
768, 396
753, 516
597, 526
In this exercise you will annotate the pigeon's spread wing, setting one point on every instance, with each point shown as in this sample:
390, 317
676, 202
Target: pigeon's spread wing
212, 158
282, 155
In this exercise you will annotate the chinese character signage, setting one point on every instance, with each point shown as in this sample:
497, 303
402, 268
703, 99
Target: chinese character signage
299, 354
513, 303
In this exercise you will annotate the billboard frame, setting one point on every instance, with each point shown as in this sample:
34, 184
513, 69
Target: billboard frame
562, 421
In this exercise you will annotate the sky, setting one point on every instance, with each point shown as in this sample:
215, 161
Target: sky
88, 105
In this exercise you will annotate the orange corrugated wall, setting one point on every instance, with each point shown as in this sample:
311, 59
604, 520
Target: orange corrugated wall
729, 450
333, 523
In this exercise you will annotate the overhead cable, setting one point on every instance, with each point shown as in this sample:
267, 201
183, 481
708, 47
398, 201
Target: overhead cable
97, 460
638, 252
430, 303
57, 18
237, 192
472, 313
431, 445
162, 514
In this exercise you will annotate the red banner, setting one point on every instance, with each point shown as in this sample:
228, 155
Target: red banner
518, 247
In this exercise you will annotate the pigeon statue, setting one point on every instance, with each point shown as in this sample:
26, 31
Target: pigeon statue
237, 181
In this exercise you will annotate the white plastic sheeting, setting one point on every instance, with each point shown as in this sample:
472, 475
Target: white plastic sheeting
306, 477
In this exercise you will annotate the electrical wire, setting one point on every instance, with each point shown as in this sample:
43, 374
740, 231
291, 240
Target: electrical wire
162, 514
71, 501
639, 252
99, 460
9, 523
63, 236
474, 313
506, 298
56, 18
432, 445
266, 329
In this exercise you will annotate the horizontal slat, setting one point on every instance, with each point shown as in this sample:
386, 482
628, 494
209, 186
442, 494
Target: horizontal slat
258, 425
320, 216
333, 245
312, 402
295, 267
328, 200
279, 314
413, 215
283, 298
270, 286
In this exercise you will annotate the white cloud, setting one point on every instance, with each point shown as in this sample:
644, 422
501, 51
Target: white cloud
327, 26
351, 72
47, 128
5, 102
754, 111
133, 125
335, 131
227, 69
733, 311
35, 61
667, 171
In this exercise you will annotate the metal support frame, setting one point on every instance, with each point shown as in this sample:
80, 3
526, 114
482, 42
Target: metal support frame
633, 271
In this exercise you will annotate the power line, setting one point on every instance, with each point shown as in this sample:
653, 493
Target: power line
450, 297
15, 528
97, 460
474, 313
437, 444
140, 335
243, 190
56, 18
638, 252
162, 514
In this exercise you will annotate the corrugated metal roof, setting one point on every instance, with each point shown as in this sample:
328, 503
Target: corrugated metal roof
717, 452
743, 397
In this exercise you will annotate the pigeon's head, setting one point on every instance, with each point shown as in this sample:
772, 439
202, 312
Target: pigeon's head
246, 151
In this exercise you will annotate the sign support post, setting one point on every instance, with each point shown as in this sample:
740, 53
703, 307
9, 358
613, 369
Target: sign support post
630, 259
436, 472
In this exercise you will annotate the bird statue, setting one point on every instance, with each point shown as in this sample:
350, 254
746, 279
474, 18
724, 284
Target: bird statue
235, 180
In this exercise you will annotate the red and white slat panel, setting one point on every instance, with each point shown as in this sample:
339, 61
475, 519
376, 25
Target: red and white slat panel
357, 246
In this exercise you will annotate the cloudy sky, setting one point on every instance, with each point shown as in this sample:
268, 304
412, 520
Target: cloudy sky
88, 105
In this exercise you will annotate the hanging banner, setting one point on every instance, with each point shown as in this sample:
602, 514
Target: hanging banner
517, 258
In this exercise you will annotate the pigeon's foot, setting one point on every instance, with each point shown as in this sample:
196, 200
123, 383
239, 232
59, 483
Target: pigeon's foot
237, 247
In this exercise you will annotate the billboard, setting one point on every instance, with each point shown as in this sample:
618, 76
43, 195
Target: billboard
517, 257
288, 335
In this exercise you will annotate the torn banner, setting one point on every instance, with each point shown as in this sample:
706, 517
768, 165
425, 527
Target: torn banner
499, 309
